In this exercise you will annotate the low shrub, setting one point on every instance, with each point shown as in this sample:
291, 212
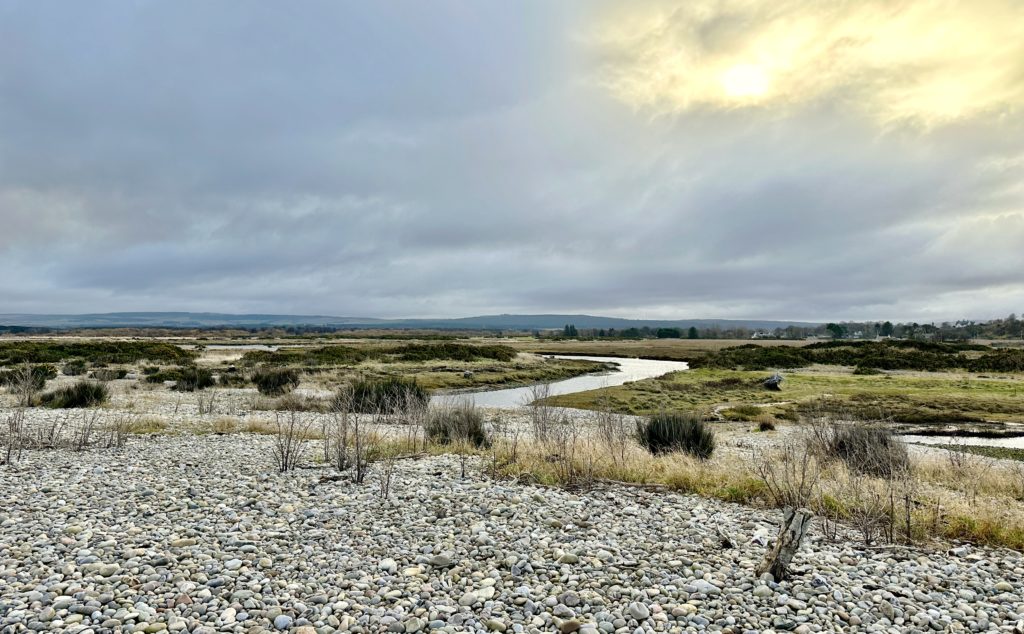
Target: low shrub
186, 379
765, 424
94, 351
677, 432
868, 450
231, 380
150, 370
107, 374
334, 355
454, 352
73, 368
40, 375
275, 381
296, 403
80, 394
388, 395
458, 424
192, 378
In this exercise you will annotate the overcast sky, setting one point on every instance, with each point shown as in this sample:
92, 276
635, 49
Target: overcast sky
732, 159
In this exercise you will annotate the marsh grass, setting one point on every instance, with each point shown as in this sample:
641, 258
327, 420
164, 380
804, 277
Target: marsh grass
80, 394
920, 398
927, 501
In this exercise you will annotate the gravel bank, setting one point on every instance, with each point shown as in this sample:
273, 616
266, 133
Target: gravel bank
199, 534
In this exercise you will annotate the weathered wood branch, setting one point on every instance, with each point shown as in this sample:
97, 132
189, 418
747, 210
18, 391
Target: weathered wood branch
778, 558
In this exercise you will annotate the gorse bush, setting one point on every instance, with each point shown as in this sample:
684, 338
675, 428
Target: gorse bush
323, 355
453, 352
867, 356
682, 432
109, 374
232, 380
186, 379
461, 423
192, 378
388, 395
275, 381
95, 351
73, 368
80, 394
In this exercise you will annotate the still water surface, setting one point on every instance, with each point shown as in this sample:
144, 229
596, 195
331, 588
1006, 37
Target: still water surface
628, 370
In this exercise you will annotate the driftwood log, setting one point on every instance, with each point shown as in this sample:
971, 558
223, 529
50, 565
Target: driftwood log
794, 526
774, 382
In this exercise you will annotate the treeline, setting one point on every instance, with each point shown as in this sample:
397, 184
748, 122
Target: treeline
1009, 327
570, 331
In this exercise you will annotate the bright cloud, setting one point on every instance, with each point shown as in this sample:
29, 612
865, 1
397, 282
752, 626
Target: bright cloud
923, 61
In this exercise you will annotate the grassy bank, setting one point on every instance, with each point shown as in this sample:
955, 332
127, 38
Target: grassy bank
910, 397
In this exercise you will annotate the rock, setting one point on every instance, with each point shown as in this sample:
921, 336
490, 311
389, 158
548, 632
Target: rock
283, 622
441, 561
638, 611
571, 625
496, 626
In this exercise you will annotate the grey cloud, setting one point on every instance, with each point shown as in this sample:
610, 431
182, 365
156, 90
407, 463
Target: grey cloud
397, 160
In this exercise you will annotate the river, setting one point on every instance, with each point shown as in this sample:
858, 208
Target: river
628, 370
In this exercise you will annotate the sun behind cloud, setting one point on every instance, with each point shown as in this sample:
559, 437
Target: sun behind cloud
745, 80
925, 61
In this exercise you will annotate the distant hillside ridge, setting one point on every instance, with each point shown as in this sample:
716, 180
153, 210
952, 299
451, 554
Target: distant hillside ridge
482, 322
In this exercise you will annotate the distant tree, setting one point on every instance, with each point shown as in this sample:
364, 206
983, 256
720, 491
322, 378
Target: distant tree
692, 333
570, 330
836, 330
669, 333
887, 329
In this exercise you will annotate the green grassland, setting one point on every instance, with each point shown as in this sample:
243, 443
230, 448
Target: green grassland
903, 396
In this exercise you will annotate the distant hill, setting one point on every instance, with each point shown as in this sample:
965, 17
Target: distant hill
483, 322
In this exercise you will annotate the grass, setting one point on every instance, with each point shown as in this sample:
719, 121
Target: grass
907, 397
386, 395
977, 505
1004, 453
80, 394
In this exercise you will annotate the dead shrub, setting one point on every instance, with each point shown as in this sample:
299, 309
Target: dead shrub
790, 475
290, 439
14, 436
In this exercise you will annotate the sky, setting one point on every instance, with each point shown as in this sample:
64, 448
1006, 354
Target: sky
777, 159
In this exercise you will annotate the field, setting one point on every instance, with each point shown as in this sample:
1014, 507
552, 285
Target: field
900, 396
221, 473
